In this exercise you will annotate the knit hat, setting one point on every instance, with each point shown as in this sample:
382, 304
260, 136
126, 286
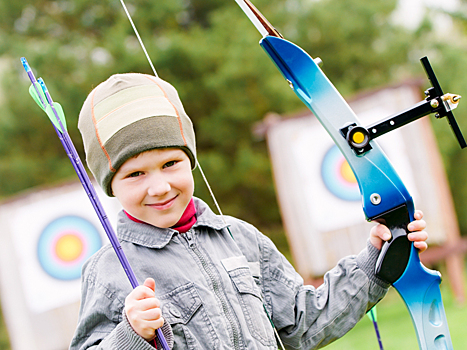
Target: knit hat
128, 114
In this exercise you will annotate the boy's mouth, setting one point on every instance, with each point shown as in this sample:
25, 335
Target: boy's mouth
163, 205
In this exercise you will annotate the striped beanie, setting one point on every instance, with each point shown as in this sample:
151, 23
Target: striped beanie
128, 114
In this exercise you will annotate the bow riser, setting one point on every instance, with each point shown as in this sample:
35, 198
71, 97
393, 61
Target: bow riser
374, 172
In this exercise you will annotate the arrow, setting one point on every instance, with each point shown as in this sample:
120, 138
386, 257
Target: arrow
54, 111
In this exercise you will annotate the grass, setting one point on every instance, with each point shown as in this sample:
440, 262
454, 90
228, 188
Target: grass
4, 339
396, 329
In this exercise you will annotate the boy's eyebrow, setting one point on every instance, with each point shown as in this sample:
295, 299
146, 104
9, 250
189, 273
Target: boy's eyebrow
175, 154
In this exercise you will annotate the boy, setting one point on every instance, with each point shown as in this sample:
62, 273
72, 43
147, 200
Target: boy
213, 278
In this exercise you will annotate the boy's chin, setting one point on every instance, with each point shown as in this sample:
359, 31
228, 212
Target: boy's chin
157, 222
162, 223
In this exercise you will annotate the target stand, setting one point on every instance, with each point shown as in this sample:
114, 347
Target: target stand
46, 235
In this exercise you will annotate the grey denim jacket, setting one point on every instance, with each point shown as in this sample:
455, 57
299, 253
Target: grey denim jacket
212, 287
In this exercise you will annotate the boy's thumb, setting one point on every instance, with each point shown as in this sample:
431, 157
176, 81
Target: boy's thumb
150, 283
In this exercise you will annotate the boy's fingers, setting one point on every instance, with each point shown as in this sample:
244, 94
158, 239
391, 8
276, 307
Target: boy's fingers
416, 236
383, 232
417, 225
141, 292
143, 311
148, 328
421, 246
419, 238
148, 304
151, 314
378, 234
418, 215
157, 323
150, 283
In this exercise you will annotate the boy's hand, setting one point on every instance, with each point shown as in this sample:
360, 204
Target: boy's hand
142, 309
381, 233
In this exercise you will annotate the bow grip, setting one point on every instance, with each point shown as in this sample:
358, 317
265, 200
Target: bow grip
395, 253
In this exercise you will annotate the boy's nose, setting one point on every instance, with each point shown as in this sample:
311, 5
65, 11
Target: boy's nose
158, 186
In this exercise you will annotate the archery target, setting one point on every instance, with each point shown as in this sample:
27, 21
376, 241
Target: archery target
65, 244
53, 231
338, 177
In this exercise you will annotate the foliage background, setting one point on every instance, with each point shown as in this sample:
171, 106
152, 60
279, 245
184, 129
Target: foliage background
209, 51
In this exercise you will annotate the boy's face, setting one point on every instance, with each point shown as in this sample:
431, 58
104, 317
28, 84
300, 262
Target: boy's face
155, 186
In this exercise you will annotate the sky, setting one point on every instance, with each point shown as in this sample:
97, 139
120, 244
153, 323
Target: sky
411, 12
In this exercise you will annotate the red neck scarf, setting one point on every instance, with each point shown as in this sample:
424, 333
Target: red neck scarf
186, 222
188, 218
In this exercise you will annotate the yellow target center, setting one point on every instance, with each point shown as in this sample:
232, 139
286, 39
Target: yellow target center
347, 173
358, 137
69, 247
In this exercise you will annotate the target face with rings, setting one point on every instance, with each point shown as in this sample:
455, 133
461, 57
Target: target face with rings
65, 244
338, 177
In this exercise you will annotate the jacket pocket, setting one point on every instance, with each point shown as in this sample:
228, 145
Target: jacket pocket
249, 296
183, 309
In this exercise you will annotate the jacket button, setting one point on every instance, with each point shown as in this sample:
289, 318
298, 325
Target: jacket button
174, 311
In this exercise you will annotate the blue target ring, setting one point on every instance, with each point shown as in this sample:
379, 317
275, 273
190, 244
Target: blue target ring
65, 244
338, 176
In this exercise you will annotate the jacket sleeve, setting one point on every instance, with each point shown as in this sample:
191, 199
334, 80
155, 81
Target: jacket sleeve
310, 318
102, 323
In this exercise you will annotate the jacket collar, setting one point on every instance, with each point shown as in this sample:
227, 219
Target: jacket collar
154, 237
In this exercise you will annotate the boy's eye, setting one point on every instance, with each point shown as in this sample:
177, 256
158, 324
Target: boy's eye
169, 164
136, 174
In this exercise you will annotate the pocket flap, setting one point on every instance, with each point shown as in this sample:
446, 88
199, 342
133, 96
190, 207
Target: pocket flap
235, 262
244, 282
179, 305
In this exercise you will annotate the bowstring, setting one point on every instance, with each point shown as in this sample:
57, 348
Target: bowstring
139, 38
205, 179
216, 203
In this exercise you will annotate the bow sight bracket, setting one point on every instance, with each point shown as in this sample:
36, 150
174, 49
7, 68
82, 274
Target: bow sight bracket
436, 101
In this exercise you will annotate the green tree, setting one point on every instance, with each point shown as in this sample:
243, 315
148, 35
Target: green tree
209, 51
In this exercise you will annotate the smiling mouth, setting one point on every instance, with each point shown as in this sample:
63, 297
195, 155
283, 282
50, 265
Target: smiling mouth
163, 205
